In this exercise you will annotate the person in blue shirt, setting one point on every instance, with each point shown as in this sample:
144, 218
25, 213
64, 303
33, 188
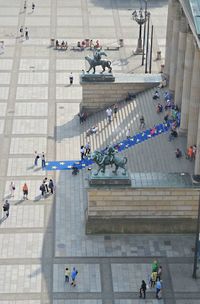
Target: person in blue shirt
73, 276
158, 288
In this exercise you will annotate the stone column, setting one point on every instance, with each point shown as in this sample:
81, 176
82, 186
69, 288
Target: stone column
180, 61
197, 161
174, 53
172, 9
187, 77
194, 101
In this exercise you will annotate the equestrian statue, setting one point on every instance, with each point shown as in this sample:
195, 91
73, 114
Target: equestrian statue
108, 157
97, 60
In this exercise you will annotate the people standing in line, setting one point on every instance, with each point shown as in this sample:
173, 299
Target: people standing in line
71, 78
51, 186
37, 156
73, 276
109, 114
115, 109
43, 160
43, 190
33, 7
142, 122
12, 189
6, 208
25, 191
128, 132
67, 275
82, 151
87, 149
26, 33
143, 289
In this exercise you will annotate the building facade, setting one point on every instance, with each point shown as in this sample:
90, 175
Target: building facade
182, 66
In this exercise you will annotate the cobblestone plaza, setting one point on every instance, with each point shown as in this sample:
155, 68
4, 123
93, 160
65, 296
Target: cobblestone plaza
38, 111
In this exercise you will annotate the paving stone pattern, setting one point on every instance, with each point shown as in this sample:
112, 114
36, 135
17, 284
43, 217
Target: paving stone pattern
38, 112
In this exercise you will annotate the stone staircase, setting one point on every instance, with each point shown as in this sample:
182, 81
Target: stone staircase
156, 154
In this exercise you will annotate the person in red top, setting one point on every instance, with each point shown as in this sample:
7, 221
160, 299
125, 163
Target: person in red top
25, 191
190, 152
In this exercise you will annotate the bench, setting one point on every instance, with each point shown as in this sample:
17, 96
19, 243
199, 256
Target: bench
60, 47
112, 48
77, 48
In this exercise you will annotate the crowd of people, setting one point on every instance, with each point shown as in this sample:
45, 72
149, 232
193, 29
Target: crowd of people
155, 281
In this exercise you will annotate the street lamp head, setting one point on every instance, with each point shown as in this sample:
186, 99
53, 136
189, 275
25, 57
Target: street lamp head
139, 17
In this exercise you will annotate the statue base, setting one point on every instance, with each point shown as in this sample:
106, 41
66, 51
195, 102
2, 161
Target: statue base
110, 179
102, 77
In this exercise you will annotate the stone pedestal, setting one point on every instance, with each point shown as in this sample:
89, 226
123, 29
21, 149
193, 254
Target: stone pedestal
110, 179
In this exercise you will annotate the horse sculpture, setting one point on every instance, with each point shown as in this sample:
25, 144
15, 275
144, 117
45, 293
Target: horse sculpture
103, 62
108, 158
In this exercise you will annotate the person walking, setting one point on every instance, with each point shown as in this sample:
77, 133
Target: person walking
159, 273
82, 151
25, 191
73, 276
45, 181
153, 278
33, 7
142, 122
25, 5
71, 78
51, 186
87, 149
21, 30
128, 132
143, 289
43, 160
115, 109
26, 33
37, 156
42, 189
158, 289
67, 275
6, 208
12, 189
109, 114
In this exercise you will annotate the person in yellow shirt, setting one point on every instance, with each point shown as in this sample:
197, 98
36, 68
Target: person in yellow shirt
153, 278
67, 274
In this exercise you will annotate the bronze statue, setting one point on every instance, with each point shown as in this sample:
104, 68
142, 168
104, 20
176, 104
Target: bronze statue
97, 60
103, 159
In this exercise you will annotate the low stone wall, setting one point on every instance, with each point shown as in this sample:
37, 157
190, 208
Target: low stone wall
99, 95
129, 210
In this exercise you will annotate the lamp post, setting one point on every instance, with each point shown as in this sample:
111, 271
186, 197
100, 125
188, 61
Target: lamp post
140, 18
144, 34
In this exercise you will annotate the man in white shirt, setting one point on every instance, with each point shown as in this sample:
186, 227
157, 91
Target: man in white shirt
109, 114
